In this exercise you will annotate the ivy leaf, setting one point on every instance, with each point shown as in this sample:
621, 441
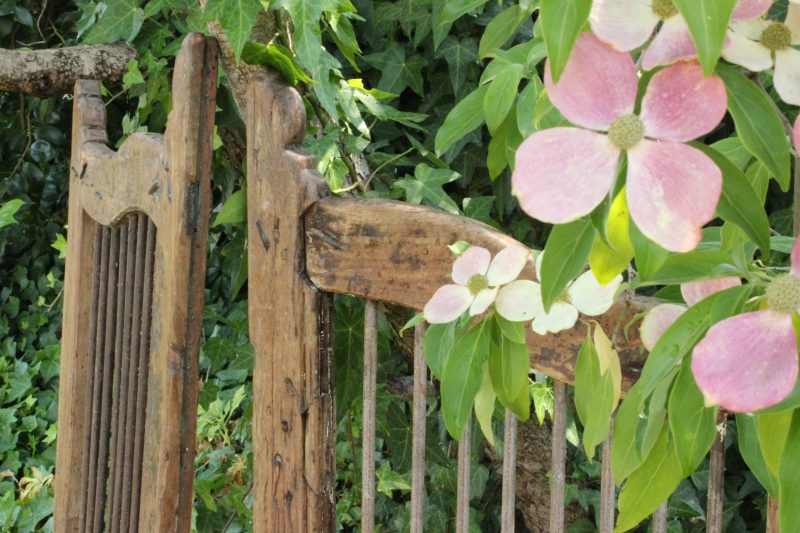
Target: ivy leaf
565, 255
562, 21
7, 211
426, 187
233, 210
305, 16
446, 12
349, 344
708, 23
236, 17
459, 54
122, 20
397, 71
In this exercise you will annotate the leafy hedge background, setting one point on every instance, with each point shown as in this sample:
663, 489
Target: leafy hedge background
377, 97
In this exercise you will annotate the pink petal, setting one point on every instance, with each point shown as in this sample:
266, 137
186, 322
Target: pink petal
507, 265
750, 54
672, 43
787, 75
474, 260
519, 301
482, 301
624, 24
447, 304
598, 84
673, 190
656, 322
749, 9
747, 362
796, 255
682, 104
563, 173
695, 291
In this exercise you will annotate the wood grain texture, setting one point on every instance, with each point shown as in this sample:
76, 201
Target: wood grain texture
293, 412
397, 252
167, 179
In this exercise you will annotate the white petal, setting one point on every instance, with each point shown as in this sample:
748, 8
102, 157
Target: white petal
561, 316
482, 301
519, 301
591, 298
507, 265
474, 260
752, 55
793, 22
752, 28
624, 24
787, 75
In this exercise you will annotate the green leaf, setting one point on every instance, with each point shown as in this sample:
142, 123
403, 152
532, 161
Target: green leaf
446, 12
237, 18
542, 396
462, 377
349, 344
625, 457
234, 210
650, 485
594, 397
8, 210
462, 119
501, 29
439, 340
500, 96
733, 149
526, 106
305, 15
773, 430
484, 406
397, 70
460, 55
565, 256
612, 256
708, 23
278, 57
513, 331
122, 20
426, 187
561, 22
503, 145
649, 256
758, 123
788, 479
508, 368
739, 202
750, 449
693, 425
691, 266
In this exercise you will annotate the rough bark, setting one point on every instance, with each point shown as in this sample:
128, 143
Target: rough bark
50, 72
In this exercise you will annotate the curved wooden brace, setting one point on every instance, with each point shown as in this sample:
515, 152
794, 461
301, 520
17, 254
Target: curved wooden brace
397, 252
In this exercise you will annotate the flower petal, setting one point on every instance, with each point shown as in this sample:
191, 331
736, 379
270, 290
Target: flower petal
563, 173
656, 322
519, 301
694, 291
672, 43
539, 259
624, 24
681, 103
507, 264
673, 190
752, 28
792, 22
750, 54
561, 316
598, 84
787, 75
749, 9
747, 362
796, 257
474, 260
447, 304
482, 301
589, 297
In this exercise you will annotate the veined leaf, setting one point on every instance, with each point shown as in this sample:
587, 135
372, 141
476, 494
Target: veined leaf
594, 397
609, 259
484, 406
750, 449
237, 18
690, 266
649, 256
500, 96
562, 21
439, 340
462, 119
565, 256
788, 479
278, 57
8, 210
693, 425
773, 430
708, 23
501, 29
508, 368
233, 210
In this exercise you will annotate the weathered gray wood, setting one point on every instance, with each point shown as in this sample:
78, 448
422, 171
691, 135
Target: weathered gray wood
716, 479
660, 518
368, 423
418, 432
462, 481
559, 457
508, 508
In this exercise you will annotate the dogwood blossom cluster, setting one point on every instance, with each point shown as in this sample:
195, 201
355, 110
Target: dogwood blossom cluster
481, 281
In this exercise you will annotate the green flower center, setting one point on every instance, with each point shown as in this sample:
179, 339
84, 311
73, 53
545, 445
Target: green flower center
776, 37
783, 294
664, 9
477, 283
626, 131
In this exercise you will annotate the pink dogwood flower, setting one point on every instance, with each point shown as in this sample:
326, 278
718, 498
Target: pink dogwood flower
477, 280
749, 361
759, 44
672, 189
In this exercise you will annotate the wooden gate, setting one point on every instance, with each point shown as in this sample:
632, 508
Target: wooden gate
133, 297
305, 245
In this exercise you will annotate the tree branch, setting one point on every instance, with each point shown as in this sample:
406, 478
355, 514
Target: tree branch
50, 72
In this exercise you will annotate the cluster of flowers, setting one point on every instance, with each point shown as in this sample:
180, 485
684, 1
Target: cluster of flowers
481, 281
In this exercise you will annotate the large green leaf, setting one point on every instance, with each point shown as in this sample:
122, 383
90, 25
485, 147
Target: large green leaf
460, 56
508, 368
691, 266
397, 69
233, 210
8, 210
425, 187
501, 29
772, 430
484, 406
462, 119
594, 397
750, 449
739, 202
758, 123
649, 256
349, 344
562, 21
693, 424
446, 12
305, 16
122, 20
788, 479
500, 96
238, 16
708, 24
278, 57
439, 340
565, 256
462, 377
625, 457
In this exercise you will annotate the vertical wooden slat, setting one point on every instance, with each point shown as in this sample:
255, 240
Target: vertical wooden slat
716, 478
660, 518
368, 435
773, 518
559, 457
418, 432
462, 487
508, 509
607, 494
